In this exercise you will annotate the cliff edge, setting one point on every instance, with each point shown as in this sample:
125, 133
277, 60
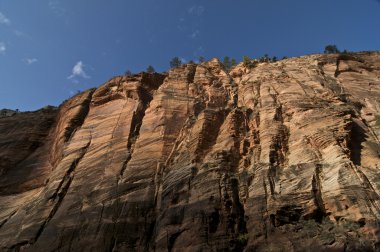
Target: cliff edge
284, 156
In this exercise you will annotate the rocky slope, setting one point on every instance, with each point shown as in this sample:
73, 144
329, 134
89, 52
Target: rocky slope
281, 157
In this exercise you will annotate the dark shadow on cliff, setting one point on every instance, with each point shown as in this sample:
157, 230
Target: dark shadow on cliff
358, 136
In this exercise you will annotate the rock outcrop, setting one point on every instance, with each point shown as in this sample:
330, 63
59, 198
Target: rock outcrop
284, 156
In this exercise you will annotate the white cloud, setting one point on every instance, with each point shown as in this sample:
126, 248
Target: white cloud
4, 19
72, 92
199, 51
183, 60
30, 61
78, 71
196, 10
181, 27
57, 8
195, 34
3, 48
22, 34
18, 33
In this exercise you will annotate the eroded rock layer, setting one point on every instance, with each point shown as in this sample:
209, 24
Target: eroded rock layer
284, 156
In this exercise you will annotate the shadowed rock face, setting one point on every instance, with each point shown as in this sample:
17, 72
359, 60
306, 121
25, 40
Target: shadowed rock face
283, 157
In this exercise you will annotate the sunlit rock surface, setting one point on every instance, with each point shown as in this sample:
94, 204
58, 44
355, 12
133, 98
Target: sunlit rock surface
281, 157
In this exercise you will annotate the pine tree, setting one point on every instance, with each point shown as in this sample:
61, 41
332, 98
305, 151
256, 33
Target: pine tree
201, 59
233, 62
247, 62
175, 62
331, 49
227, 62
150, 69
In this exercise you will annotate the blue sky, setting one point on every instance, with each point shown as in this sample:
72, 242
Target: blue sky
49, 49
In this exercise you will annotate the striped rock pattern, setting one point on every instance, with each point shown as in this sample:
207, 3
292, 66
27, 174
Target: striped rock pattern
284, 156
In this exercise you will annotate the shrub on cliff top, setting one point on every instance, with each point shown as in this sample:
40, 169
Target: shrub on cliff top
127, 73
227, 62
248, 62
331, 49
201, 59
233, 62
150, 69
175, 62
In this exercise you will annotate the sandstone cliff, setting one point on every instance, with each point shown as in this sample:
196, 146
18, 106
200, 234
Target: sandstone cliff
281, 157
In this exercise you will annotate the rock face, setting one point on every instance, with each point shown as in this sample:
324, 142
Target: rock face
281, 157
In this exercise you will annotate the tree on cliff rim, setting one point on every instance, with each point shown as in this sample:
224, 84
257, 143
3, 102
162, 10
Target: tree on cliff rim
331, 49
175, 62
128, 73
233, 62
150, 69
227, 62
248, 62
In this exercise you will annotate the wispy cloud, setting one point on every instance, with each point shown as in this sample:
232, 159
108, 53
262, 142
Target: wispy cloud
78, 71
19, 33
72, 92
195, 34
4, 19
181, 27
183, 60
57, 8
3, 48
194, 27
199, 51
196, 10
30, 61
22, 35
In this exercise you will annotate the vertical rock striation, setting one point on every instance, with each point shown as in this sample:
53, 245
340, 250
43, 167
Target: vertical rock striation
283, 156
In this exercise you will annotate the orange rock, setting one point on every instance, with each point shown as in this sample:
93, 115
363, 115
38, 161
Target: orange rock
283, 156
